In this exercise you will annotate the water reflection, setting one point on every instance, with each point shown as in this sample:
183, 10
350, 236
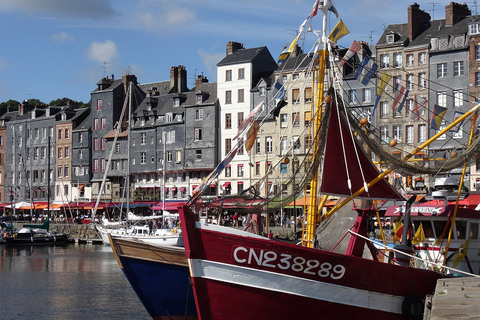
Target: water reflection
65, 282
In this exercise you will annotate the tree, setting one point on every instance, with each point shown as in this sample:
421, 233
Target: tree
13, 104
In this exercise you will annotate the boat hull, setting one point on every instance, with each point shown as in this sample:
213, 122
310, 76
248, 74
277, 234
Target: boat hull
38, 240
274, 280
166, 239
159, 276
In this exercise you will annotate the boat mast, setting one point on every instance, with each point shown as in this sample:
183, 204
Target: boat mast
48, 180
312, 216
127, 182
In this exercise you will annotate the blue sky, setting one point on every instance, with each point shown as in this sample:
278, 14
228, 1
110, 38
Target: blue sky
52, 49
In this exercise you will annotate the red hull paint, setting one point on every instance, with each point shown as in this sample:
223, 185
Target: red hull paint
240, 277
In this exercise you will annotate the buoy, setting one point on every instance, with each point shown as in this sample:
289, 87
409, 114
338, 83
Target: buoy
286, 160
364, 121
393, 142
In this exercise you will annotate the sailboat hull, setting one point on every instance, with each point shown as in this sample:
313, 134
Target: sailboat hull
268, 279
159, 276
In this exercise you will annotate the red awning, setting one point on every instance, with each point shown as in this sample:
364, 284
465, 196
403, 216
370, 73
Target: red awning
182, 189
226, 184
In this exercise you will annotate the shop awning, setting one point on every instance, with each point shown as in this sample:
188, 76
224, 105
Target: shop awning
170, 205
226, 184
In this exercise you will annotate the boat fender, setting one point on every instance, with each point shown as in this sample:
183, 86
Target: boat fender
412, 308
173, 231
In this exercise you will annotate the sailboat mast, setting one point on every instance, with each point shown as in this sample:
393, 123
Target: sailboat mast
127, 182
48, 179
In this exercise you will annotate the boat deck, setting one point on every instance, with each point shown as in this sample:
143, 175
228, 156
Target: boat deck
455, 298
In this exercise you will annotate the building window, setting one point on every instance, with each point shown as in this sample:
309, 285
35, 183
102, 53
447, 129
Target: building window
95, 165
257, 146
458, 68
473, 28
228, 171
410, 81
228, 75
198, 114
102, 143
367, 95
239, 187
102, 124
353, 96
262, 91
397, 133
178, 156
283, 145
169, 156
228, 121
67, 152
95, 124
384, 61
457, 99
257, 168
239, 119
384, 109
60, 134
67, 133
66, 171
59, 153
198, 134
143, 158
99, 104
241, 96
283, 120
422, 132
295, 95
80, 154
422, 81
143, 138
477, 52
441, 70
198, 154
422, 58
241, 73
268, 144
308, 117
176, 102
397, 60
409, 60
228, 97
442, 99
240, 170
409, 134
384, 134
117, 147
308, 95
296, 119
95, 144
228, 145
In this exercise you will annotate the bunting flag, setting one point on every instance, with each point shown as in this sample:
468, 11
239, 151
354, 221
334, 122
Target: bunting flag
249, 119
399, 96
461, 252
354, 48
419, 235
338, 32
288, 50
314, 10
251, 136
331, 8
382, 83
398, 230
419, 104
366, 70
279, 89
226, 161
456, 115
438, 113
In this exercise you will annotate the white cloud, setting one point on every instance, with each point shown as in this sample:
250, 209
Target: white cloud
62, 37
103, 51
210, 60
163, 16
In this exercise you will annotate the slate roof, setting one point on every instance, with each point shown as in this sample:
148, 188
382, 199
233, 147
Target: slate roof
241, 56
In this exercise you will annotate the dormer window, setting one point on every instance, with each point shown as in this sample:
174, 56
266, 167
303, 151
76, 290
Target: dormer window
142, 121
64, 117
474, 28
199, 98
176, 102
263, 91
390, 38
168, 117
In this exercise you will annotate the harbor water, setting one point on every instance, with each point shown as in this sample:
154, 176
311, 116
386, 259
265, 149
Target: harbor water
73, 281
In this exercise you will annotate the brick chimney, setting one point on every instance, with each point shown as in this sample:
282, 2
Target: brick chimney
233, 46
455, 12
418, 20
200, 80
178, 79
126, 79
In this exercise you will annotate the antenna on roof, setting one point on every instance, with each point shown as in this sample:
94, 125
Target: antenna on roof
475, 4
104, 67
370, 37
433, 9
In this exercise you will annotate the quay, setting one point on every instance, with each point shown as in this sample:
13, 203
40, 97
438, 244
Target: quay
454, 298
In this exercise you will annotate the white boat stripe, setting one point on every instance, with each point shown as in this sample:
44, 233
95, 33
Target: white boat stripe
296, 286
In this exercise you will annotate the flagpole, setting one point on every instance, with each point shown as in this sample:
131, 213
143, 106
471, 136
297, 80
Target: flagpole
411, 154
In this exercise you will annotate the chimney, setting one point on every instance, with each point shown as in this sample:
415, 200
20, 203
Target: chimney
199, 81
418, 20
126, 79
233, 46
178, 79
455, 12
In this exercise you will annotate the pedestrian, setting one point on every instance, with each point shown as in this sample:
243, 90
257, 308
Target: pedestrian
235, 220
